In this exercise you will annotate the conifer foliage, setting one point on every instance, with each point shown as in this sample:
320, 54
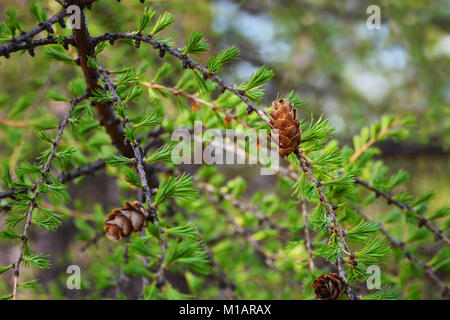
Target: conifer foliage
311, 238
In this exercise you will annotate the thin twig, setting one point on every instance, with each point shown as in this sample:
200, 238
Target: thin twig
137, 150
35, 189
140, 165
63, 177
88, 169
188, 62
256, 246
307, 235
429, 271
293, 175
372, 141
287, 172
160, 277
123, 278
196, 99
305, 164
15, 124
41, 42
24, 40
422, 221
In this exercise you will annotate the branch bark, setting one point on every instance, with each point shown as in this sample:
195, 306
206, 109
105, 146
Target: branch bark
422, 221
24, 40
35, 190
105, 110
429, 271
307, 235
305, 164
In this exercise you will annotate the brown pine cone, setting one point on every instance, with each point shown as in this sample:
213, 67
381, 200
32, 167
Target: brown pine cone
120, 223
329, 287
284, 118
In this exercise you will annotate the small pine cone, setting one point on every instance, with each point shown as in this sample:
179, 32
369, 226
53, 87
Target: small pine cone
284, 118
120, 223
329, 287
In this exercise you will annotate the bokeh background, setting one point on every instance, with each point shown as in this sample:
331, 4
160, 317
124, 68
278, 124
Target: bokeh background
322, 49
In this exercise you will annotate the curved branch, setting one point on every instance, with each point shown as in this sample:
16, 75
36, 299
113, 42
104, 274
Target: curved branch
305, 164
24, 40
87, 169
307, 235
41, 42
140, 166
42, 180
105, 110
422, 221
187, 62
196, 99
429, 271
384, 132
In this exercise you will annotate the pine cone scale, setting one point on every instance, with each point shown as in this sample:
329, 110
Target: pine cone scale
291, 131
135, 219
